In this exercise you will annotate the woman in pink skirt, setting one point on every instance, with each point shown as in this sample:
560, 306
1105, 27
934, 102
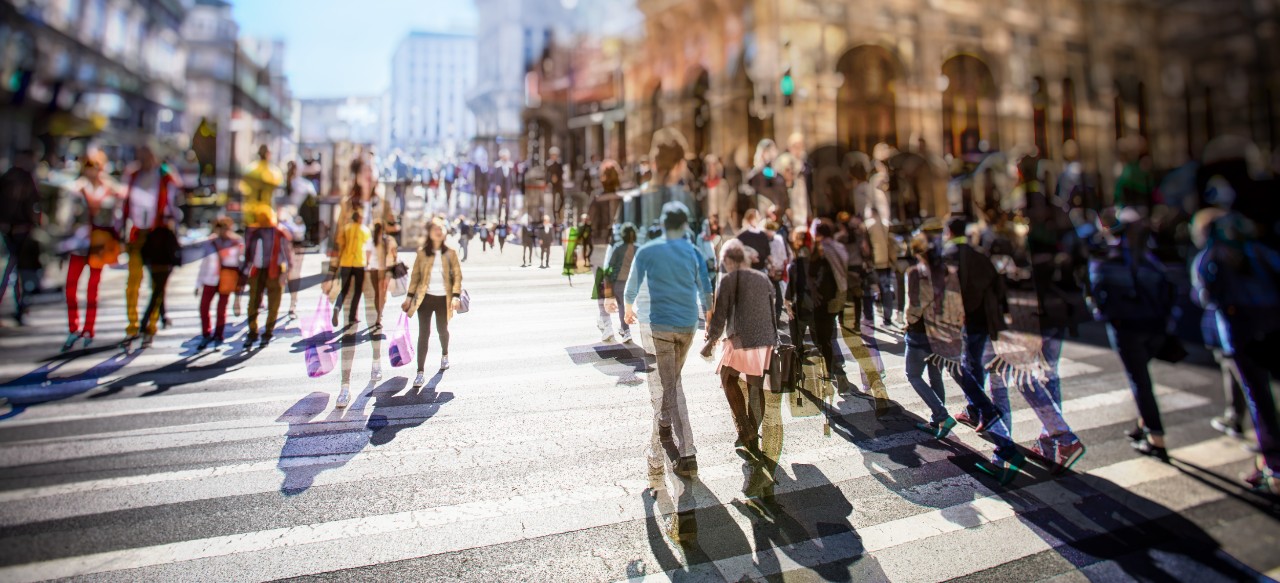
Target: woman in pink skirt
742, 320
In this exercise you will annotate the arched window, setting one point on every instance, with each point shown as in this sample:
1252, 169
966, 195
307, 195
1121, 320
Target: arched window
867, 110
968, 106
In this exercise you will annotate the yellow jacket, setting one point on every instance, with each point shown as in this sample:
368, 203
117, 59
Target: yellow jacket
258, 186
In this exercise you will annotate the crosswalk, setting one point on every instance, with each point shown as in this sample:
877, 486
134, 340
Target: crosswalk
525, 461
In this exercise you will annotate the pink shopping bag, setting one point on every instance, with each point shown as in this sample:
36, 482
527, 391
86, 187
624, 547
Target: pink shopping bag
320, 352
401, 351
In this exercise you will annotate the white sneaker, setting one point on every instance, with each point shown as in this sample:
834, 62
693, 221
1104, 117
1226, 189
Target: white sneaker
444, 363
376, 375
625, 337
419, 380
344, 397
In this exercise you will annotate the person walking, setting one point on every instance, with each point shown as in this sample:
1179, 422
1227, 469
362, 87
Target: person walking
920, 305
673, 274
546, 238
99, 246
982, 292
1135, 296
500, 233
19, 218
296, 227
434, 286
353, 256
527, 239
884, 253
742, 323
585, 243
503, 180
482, 233
150, 212
268, 258
621, 256
219, 276
464, 235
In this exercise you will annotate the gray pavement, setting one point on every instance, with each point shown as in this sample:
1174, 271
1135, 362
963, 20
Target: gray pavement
525, 462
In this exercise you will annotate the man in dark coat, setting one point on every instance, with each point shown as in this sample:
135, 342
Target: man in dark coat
19, 217
982, 290
503, 181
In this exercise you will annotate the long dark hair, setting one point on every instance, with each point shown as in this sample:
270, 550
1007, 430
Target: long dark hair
357, 191
427, 246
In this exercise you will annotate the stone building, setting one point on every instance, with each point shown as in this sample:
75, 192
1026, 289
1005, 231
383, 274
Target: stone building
954, 78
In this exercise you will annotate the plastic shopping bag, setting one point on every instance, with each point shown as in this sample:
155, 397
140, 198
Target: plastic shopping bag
321, 354
401, 352
399, 286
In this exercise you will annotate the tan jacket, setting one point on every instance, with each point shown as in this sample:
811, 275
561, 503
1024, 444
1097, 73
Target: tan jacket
421, 276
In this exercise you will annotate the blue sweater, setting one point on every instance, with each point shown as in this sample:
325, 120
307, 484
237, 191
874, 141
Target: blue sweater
674, 274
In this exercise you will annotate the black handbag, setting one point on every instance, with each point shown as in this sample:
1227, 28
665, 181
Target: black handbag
399, 270
1171, 350
161, 248
784, 369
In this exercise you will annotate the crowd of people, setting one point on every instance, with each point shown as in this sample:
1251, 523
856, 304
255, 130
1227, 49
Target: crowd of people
784, 295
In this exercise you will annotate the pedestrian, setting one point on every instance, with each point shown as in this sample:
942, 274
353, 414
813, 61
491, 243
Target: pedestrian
527, 238
385, 256
19, 218
825, 279
293, 224
920, 306
482, 233
219, 276
756, 239
434, 287
672, 273
981, 292
151, 213
258, 186
546, 237
267, 261
464, 235
858, 256
353, 256
501, 231
779, 257
765, 181
743, 323
798, 299
503, 180
1135, 296
884, 254
555, 178
99, 245
585, 244
1239, 278
621, 256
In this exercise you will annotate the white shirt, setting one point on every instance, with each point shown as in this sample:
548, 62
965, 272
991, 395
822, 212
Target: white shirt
435, 279
144, 197
302, 188
211, 267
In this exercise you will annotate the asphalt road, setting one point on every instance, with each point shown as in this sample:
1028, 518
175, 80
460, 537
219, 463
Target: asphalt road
524, 462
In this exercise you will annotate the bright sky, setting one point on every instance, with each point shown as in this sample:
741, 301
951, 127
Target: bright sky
337, 48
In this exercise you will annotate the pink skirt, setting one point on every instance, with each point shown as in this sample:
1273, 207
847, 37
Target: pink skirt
749, 361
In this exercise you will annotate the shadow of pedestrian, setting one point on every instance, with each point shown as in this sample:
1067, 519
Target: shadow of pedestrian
393, 412
178, 373
625, 361
314, 445
36, 387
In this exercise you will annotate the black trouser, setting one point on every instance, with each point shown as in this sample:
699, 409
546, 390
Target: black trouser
545, 259
824, 333
349, 276
438, 307
1136, 349
526, 256
748, 410
159, 283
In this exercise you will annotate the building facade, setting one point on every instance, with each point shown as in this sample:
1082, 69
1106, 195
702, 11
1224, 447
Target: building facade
74, 70
947, 78
513, 36
237, 95
430, 75
330, 132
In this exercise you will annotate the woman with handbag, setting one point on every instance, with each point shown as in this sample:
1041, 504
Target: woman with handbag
619, 263
434, 288
743, 315
385, 257
219, 276
101, 204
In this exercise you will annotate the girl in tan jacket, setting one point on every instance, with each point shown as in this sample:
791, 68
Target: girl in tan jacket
434, 286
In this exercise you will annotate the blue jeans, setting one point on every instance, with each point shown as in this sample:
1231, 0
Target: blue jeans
1051, 349
886, 279
978, 353
932, 393
1136, 349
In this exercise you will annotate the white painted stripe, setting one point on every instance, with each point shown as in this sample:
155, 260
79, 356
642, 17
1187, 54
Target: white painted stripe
428, 532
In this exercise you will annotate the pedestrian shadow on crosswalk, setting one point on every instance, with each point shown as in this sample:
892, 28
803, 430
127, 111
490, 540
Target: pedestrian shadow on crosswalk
624, 361
313, 445
182, 372
41, 386
394, 412
1090, 523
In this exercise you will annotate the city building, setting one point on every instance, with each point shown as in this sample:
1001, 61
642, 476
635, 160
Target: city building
75, 71
513, 35
331, 131
237, 95
430, 75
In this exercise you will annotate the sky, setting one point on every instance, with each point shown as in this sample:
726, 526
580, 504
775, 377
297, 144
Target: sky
339, 48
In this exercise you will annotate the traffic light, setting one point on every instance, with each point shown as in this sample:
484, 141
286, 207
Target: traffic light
788, 87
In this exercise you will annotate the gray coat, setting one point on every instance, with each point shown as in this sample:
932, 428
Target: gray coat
744, 310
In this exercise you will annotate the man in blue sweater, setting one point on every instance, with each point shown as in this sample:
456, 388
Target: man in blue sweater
674, 275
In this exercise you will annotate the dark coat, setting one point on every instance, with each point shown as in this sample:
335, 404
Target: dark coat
506, 183
982, 288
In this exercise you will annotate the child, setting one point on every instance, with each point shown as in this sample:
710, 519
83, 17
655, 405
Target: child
219, 275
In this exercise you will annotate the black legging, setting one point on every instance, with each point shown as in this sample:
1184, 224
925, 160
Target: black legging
439, 307
349, 275
748, 410
159, 283
823, 329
